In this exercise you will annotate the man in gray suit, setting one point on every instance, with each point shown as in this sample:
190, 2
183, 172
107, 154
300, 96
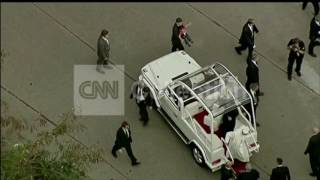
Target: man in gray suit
103, 51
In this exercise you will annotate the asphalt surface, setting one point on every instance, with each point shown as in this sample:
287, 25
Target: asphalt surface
43, 42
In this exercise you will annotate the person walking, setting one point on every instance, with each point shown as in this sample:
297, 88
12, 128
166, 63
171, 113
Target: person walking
175, 38
280, 172
252, 72
247, 37
315, 4
313, 149
141, 93
103, 51
124, 139
314, 35
297, 49
252, 84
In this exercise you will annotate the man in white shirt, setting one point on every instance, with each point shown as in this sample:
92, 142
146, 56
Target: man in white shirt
141, 93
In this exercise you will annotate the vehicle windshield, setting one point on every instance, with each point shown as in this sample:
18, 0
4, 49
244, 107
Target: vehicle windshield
217, 88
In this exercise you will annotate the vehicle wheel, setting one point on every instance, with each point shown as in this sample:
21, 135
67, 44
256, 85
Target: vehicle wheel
197, 155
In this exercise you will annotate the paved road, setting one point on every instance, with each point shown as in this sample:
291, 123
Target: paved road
45, 40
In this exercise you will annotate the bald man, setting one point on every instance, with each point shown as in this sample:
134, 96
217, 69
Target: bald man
313, 149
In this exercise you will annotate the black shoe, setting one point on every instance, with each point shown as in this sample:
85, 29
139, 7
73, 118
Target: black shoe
312, 174
135, 163
258, 125
289, 77
238, 51
114, 154
298, 73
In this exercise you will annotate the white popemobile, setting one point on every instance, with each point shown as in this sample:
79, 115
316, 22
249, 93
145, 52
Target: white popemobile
193, 100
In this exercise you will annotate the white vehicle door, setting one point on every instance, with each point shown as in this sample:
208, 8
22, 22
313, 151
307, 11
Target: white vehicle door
173, 106
169, 103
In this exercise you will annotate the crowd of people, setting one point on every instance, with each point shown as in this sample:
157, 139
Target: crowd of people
179, 36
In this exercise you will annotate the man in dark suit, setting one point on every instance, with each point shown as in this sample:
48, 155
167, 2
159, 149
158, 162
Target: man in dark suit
281, 172
315, 4
252, 72
141, 93
314, 35
296, 47
229, 121
249, 174
123, 139
175, 38
313, 149
103, 51
247, 37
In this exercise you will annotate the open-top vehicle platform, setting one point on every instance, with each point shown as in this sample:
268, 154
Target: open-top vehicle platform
197, 103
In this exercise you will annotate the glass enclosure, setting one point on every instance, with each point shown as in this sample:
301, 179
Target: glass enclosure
215, 86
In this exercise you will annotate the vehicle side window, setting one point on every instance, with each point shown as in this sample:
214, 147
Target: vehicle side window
173, 98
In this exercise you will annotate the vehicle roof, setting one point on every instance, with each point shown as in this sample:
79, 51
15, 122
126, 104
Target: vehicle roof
165, 69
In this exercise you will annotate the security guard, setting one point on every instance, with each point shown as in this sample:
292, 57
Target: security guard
297, 49
143, 99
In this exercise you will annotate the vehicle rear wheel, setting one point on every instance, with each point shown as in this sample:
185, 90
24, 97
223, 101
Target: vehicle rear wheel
197, 155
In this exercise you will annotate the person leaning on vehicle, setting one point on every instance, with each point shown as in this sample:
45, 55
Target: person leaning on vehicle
175, 38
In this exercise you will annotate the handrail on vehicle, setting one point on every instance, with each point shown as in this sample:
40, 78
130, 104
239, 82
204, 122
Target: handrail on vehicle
228, 150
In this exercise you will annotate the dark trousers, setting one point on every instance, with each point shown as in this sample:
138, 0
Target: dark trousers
177, 45
315, 165
143, 111
116, 147
315, 6
291, 60
244, 47
102, 61
312, 44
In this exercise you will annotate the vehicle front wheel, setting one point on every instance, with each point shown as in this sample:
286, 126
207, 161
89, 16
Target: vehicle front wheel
197, 155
